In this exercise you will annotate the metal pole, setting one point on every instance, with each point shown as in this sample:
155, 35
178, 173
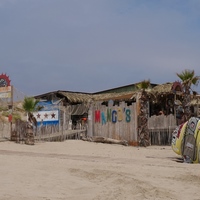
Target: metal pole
11, 111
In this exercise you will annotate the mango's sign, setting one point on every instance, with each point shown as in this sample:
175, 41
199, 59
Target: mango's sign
112, 115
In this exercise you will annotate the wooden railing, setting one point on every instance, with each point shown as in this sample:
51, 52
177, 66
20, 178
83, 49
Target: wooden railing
45, 133
161, 128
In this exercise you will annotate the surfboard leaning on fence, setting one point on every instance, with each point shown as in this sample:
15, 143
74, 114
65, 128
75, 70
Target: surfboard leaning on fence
186, 140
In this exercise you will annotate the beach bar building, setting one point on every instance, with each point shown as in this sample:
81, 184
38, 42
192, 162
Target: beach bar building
115, 113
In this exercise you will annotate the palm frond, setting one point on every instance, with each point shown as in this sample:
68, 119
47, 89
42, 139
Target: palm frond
188, 78
30, 104
143, 84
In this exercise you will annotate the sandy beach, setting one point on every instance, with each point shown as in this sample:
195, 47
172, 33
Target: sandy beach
77, 169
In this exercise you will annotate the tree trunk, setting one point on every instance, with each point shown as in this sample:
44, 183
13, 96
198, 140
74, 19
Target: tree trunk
143, 132
105, 140
29, 136
186, 104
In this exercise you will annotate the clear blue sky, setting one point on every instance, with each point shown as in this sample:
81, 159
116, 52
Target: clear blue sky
94, 45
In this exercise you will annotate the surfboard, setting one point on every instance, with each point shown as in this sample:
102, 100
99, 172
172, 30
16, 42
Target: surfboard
177, 138
189, 150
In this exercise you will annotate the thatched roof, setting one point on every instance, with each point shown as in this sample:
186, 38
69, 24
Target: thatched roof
195, 101
163, 88
166, 88
72, 97
114, 96
77, 97
82, 97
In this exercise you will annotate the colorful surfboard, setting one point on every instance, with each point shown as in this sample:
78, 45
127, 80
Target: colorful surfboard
186, 140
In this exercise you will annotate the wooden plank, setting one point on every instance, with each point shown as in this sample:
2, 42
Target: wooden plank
65, 134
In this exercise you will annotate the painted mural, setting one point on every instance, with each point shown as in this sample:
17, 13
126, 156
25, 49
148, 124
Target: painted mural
49, 115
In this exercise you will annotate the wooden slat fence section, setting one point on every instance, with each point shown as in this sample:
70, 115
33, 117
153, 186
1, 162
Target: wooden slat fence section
161, 136
57, 133
4, 131
120, 127
19, 129
161, 128
161, 121
46, 133
61, 136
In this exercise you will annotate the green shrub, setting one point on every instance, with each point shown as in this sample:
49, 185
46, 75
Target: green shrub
5, 113
3, 108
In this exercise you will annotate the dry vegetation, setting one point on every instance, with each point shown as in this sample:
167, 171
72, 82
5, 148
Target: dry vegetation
17, 112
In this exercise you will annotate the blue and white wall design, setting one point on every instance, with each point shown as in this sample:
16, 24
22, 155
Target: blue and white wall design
49, 115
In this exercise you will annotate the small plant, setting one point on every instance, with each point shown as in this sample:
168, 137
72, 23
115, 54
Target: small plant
15, 116
3, 108
5, 113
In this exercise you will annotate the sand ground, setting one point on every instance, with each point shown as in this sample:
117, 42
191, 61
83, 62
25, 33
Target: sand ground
77, 169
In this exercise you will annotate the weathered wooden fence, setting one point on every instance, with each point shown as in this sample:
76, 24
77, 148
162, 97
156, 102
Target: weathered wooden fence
4, 131
19, 130
161, 128
116, 122
45, 133
57, 133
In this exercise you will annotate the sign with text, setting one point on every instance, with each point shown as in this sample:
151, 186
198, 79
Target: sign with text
5, 92
116, 122
113, 115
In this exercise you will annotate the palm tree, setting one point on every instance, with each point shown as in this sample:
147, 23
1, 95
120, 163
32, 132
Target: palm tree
188, 79
143, 85
30, 106
143, 132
